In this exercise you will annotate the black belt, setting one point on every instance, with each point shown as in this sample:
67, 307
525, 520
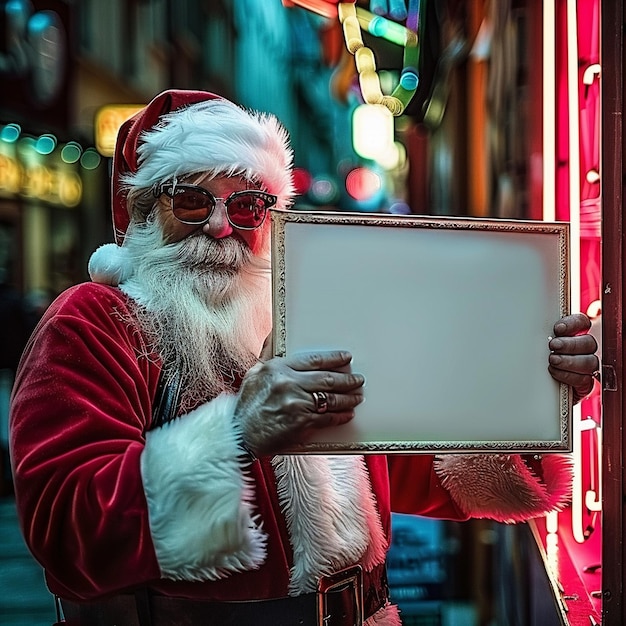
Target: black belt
346, 598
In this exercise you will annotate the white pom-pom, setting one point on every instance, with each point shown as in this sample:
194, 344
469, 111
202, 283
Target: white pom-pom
110, 265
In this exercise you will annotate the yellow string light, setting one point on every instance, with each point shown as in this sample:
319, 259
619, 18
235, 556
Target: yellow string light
395, 105
346, 9
352, 34
351, 19
370, 87
365, 61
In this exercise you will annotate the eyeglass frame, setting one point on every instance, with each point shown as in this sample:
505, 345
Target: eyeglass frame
158, 190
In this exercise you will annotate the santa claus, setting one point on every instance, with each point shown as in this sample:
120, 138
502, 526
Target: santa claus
148, 430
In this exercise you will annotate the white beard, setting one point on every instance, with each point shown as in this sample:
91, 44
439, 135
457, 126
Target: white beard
205, 303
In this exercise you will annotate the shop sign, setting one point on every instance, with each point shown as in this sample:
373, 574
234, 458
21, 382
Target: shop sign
39, 181
107, 123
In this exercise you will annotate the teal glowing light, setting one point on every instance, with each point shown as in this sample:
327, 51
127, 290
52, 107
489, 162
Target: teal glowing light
46, 144
90, 159
70, 153
409, 78
40, 21
10, 133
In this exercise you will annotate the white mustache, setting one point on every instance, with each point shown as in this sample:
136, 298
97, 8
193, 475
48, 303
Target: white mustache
226, 254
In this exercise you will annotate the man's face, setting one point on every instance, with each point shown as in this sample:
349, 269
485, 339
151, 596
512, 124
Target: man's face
218, 226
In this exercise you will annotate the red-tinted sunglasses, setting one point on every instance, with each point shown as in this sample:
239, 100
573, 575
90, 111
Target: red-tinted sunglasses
192, 204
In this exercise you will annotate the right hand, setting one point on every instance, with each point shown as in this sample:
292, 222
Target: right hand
276, 407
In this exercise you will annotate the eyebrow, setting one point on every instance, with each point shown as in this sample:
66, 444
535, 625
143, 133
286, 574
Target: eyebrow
189, 180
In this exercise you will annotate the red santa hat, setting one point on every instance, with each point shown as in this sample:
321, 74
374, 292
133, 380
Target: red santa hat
184, 132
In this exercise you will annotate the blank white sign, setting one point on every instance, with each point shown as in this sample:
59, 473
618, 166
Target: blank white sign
448, 319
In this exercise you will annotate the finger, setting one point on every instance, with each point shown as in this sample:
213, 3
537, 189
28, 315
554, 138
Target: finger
581, 383
580, 345
585, 365
340, 413
571, 325
568, 377
322, 360
332, 419
331, 381
338, 403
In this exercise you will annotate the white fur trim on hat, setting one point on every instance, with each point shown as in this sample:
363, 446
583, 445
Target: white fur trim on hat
110, 265
220, 137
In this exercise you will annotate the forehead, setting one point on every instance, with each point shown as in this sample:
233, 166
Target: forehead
210, 181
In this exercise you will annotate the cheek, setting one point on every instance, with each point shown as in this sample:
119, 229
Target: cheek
173, 230
257, 240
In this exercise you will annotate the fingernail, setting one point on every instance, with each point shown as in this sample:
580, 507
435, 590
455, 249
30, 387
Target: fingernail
554, 359
556, 344
560, 328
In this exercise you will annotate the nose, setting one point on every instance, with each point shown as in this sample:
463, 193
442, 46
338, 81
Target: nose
218, 225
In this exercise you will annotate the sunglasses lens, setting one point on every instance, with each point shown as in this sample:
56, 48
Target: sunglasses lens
247, 210
191, 206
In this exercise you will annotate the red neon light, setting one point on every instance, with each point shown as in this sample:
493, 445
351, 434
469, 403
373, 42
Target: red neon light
325, 8
362, 183
301, 180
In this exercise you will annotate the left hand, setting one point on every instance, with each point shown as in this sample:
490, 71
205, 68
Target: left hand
573, 359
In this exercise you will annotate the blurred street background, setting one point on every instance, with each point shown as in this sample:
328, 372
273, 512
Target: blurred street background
470, 144
24, 600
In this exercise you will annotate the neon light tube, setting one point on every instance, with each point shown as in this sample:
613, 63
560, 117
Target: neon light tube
386, 29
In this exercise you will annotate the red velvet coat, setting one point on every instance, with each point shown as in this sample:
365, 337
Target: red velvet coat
92, 483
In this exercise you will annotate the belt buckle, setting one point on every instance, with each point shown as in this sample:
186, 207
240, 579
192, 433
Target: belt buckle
352, 576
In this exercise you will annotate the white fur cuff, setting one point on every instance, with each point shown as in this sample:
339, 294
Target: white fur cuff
389, 615
503, 487
199, 500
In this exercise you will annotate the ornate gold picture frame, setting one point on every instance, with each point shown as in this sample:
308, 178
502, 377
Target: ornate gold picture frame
447, 318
